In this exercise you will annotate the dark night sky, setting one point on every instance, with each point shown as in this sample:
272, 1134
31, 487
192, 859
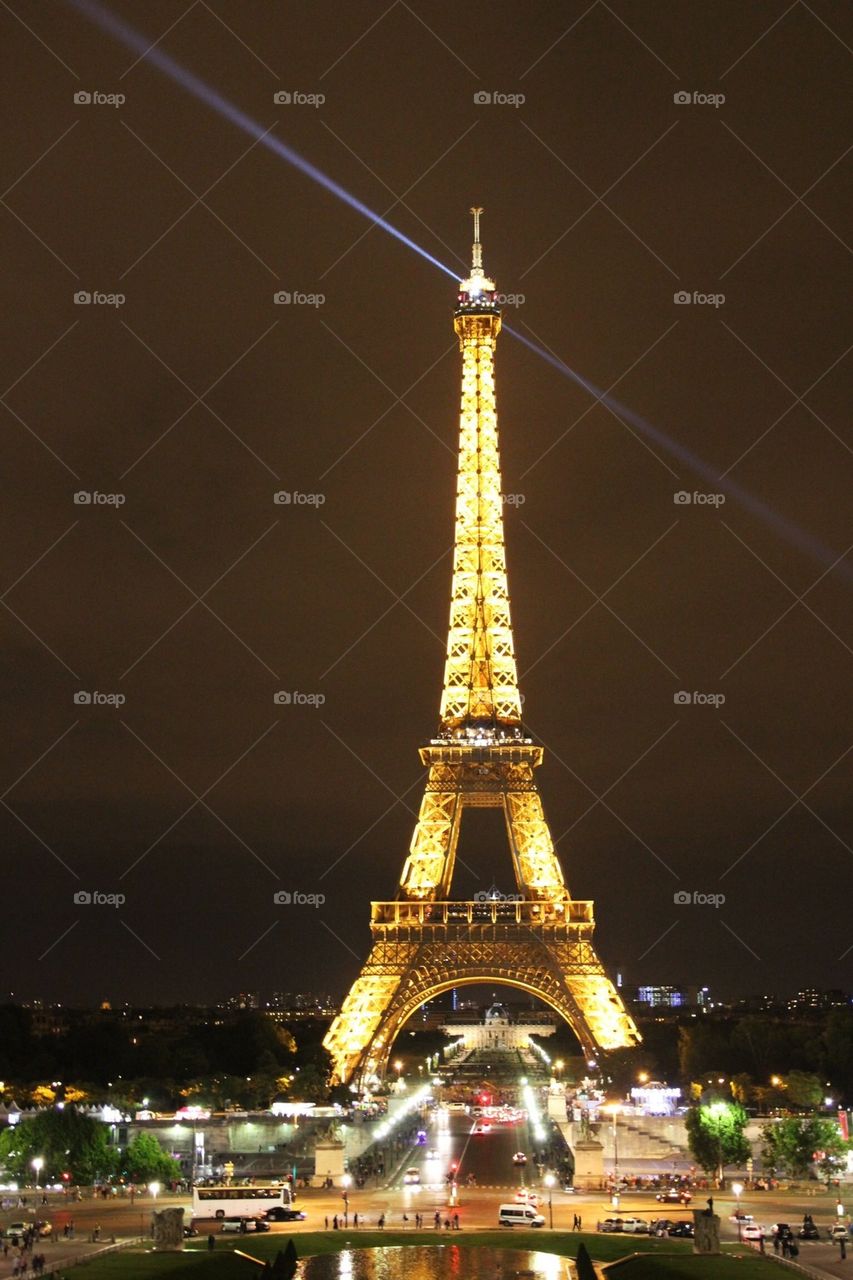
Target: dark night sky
694, 197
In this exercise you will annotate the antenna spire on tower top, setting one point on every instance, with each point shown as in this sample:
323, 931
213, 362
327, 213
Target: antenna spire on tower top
477, 248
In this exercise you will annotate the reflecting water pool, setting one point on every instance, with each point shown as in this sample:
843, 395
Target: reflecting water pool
436, 1262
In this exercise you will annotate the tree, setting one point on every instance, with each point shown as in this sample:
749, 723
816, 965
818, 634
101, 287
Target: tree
715, 1135
65, 1140
795, 1144
146, 1161
804, 1089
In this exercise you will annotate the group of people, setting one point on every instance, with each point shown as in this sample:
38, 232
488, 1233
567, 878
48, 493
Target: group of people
339, 1222
577, 1223
26, 1264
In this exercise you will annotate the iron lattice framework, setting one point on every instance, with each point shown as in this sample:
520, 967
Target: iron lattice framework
424, 943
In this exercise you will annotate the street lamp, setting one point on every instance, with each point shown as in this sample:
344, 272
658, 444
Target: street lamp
737, 1188
154, 1188
38, 1165
549, 1183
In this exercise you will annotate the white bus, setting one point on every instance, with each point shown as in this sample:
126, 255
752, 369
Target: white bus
239, 1202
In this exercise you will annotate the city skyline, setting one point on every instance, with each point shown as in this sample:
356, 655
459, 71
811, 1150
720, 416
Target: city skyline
685, 664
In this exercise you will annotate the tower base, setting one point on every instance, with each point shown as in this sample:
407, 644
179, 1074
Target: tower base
421, 949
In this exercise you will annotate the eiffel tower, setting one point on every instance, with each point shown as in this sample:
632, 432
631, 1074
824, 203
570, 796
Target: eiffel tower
423, 942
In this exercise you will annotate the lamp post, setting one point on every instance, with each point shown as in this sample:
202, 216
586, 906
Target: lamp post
346, 1182
38, 1165
549, 1183
737, 1188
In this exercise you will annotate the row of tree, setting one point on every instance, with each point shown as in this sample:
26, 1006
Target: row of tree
75, 1149
794, 1146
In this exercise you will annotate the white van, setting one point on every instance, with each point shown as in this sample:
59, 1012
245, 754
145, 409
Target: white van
519, 1215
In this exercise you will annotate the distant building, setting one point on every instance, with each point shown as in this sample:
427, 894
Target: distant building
498, 1030
673, 997
811, 999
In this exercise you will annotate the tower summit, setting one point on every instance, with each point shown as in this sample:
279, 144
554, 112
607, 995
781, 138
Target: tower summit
540, 939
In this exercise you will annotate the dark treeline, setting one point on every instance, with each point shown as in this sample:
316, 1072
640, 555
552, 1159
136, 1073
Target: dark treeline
169, 1056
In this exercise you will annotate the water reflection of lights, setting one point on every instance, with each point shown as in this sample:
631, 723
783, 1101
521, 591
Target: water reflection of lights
345, 1264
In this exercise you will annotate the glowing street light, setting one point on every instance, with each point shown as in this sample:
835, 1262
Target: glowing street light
737, 1188
38, 1165
549, 1183
154, 1189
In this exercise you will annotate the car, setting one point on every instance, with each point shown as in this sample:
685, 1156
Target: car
482, 1126
190, 1230
636, 1226
432, 1154
610, 1224
683, 1230
43, 1228
244, 1225
838, 1232
808, 1231
752, 1231
519, 1215
16, 1229
674, 1195
412, 1177
284, 1213
660, 1226
519, 1158
523, 1196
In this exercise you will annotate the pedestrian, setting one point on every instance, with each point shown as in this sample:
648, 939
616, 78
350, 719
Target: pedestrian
355, 1221
211, 1243
327, 1222
447, 1224
381, 1223
436, 1222
335, 1222
456, 1222
405, 1219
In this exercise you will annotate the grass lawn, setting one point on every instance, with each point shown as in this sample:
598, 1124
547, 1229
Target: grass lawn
222, 1264
742, 1266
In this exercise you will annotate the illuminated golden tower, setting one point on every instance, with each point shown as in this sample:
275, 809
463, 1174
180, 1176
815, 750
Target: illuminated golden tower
424, 943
